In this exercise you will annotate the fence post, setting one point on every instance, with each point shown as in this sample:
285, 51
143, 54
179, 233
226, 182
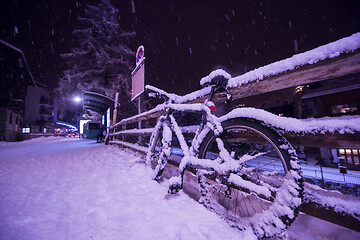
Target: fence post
321, 170
115, 112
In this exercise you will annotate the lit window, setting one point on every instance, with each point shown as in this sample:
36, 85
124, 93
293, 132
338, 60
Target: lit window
351, 156
345, 108
26, 130
299, 89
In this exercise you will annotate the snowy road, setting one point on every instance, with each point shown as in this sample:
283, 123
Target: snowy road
66, 188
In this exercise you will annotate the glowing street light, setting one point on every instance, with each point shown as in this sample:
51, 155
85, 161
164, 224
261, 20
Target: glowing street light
77, 99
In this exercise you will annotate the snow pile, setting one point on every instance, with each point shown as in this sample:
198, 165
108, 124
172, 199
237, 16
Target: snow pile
66, 188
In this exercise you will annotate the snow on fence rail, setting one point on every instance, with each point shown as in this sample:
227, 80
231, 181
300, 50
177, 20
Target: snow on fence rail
336, 59
331, 132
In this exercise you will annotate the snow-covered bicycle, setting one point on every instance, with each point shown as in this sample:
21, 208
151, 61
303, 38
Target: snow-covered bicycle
246, 170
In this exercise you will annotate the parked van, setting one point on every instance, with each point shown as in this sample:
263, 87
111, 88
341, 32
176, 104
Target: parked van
91, 130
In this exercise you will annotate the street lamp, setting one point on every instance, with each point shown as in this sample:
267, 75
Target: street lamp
77, 99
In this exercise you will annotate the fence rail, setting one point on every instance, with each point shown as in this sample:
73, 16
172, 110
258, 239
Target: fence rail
331, 176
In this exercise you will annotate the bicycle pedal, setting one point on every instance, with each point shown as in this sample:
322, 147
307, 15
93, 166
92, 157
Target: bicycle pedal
174, 188
228, 194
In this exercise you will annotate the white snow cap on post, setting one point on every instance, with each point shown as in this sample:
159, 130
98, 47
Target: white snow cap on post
218, 72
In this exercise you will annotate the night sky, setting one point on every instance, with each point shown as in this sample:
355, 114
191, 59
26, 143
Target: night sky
183, 40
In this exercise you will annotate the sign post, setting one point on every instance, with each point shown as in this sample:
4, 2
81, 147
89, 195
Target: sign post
137, 78
342, 166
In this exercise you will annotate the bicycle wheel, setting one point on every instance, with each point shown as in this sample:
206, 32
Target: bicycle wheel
265, 191
159, 148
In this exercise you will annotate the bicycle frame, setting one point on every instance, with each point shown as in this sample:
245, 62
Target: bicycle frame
227, 173
208, 121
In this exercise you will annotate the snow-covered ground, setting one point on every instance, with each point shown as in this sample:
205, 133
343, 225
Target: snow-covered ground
66, 188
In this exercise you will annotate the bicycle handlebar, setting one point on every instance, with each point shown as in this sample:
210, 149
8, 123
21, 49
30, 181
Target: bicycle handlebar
218, 83
156, 93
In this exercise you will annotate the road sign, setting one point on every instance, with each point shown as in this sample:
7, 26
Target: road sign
137, 78
140, 55
343, 169
138, 75
342, 165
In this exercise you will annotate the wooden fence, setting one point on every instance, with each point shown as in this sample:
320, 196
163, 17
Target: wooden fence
344, 65
126, 134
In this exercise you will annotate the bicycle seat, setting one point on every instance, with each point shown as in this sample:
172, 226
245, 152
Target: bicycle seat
218, 77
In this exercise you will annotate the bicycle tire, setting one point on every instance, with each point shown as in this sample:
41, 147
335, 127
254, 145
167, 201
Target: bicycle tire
159, 148
242, 209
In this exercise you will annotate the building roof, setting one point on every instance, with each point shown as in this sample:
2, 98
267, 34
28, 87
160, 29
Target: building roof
97, 102
22, 56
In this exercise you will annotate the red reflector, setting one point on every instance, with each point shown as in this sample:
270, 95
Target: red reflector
213, 108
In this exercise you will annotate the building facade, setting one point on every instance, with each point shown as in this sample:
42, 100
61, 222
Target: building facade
15, 77
39, 110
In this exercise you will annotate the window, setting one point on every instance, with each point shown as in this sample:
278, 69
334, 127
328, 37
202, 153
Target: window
26, 130
356, 156
10, 118
93, 126
351, 156
345, 108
